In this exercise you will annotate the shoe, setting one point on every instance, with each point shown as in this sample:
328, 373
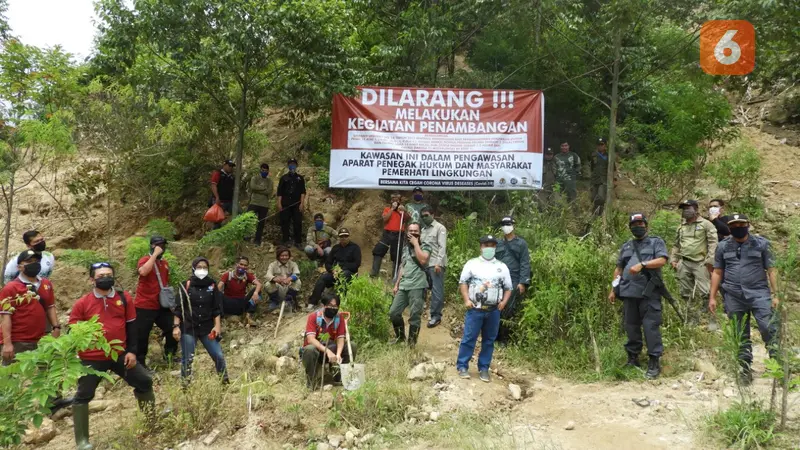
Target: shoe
433, 322
80, 417
273, 306
653, 368
248, 321
633, 360
462, 373
413, 334
484, 376
147, 404
745, 376
399, 332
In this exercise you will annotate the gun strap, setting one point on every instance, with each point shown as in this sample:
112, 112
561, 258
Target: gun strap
647, 273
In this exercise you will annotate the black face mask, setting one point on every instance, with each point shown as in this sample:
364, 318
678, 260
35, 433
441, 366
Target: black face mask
32, 269
638, 231
330, 313
104, 283
740, 232
39, 246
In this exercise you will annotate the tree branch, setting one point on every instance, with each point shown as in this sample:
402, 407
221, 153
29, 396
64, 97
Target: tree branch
560, 69
60, 206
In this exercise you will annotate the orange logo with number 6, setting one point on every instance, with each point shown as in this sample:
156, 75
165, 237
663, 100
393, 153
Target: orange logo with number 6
727, 47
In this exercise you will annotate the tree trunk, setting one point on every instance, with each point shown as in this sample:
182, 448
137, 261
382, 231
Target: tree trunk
612, 129
242, 119
109, 223
538, 25
9, 198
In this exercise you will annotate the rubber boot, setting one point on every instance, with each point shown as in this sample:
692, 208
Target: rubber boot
413, 334
291, 299
745, 375
376, 266
633, 360
653, 368
147, 404
399, 331
274, 302
80, 418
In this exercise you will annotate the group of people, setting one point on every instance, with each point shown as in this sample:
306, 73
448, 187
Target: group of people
564, 169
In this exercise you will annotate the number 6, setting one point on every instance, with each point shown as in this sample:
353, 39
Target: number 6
727, 42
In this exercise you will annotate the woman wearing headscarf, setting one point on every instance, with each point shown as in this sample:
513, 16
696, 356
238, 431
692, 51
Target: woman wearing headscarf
197, 318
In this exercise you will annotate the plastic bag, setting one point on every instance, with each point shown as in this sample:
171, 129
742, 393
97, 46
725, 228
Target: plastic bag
215, 214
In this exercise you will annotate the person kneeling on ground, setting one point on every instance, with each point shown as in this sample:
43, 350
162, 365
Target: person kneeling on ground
347, 255
197, 318
236, 299
283, 277
117, 315
320, 239
325, 324
410, 287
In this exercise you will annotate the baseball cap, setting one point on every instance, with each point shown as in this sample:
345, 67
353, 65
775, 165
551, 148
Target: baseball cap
549, 151
156, 239
319, 216
507, 220
601, 141
28, 255
738, 218
344, 232
687, 203
488, 239
230, 162
292, 160
637, 216
417, 189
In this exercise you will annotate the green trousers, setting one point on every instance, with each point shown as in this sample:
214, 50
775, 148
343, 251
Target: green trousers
414, 298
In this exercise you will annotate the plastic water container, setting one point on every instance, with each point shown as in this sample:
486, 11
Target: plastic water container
353, 376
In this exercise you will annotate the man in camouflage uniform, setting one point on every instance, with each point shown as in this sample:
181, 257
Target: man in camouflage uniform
693, 257
546, 195
599, 166
568, 169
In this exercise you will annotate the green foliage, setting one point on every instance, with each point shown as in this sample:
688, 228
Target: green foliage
161, 227
663, 224
307, 269
368, 303
27, 386
230, 235
744, 425
81, 258
738, 173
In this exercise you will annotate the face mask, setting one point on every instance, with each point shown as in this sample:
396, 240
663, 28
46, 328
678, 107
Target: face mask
201, 273
330, 313
507, 229
714, 210
638, 231
292, 167
427, 220
241, 271
40, 246
264, 174
318, 224
487, 252
32, 269
418, 197
104, 283
740, 232
688, 213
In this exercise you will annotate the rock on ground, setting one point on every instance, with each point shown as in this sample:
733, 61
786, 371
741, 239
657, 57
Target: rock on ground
285, 365
424, 371
570, 426
42, 435
515, 390
335, 440
701, 365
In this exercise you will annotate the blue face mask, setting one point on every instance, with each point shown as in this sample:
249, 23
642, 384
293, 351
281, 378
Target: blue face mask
318, 224
264, 174
292, 167
418, 197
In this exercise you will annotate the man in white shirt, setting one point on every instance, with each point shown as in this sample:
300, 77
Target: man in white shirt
485, 287
34, 240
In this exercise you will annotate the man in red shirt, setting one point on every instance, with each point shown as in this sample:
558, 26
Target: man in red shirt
117, 315
326, 321
148, 308
236, 299
31, 304
394, 218
222, 186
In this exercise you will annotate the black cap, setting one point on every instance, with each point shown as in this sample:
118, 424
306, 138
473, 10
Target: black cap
28, 255
738, 218
687, 203
230, 162
549, 151
488, 239
292, 160
156, 239
417, 189
344, 232
319, 216
601, 141
637, 216
507, 220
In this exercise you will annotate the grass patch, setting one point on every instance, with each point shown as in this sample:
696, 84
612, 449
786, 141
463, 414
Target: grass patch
743, 425
82, 258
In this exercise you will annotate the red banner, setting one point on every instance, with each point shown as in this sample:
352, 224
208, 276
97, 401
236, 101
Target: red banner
445, 139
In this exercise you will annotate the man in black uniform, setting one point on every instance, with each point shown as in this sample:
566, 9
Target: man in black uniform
639, 263
513, 251
291, 197
347, 255
222, 185
716, 215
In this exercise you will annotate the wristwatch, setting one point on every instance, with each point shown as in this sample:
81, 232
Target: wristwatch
644, 264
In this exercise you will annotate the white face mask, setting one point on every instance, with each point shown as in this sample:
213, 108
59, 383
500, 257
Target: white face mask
713, 210
201, 273
507, 229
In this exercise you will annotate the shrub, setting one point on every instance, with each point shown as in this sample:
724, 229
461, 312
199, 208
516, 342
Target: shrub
161, 227
368, 302
738, 173
663, 224
746, 425
230, 235
82, 258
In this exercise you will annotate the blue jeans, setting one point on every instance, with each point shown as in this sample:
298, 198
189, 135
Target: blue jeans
214, 349
437, 292
487, 323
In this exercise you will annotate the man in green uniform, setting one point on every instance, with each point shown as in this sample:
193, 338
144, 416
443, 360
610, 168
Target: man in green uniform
414, 208
599, 166
320, 239
261, 191
410, 286
693, 257
568, 169
546, 195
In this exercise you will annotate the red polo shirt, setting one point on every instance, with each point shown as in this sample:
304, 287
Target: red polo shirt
394, 221
312, 327
215, 176
28, 317
112, 314
236, 287
147, 289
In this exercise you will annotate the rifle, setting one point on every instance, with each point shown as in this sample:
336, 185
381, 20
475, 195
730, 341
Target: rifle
656, 285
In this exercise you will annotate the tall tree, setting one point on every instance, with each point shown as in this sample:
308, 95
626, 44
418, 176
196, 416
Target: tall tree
243, 55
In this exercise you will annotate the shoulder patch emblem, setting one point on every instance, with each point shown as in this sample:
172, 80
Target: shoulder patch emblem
119, 302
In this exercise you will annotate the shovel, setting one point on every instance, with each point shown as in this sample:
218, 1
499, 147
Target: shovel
353, 375
280, 316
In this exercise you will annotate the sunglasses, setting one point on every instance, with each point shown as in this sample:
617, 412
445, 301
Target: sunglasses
101, 264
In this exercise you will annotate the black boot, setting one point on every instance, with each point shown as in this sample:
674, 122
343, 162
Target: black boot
399, 331
291, 299
745, 375
413, 333
147, 405
80, 417
376, 266
633, 360
653, 368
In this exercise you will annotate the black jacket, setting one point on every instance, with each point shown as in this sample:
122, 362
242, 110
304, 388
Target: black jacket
722, 227
348, 258
290, 187
197, 313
